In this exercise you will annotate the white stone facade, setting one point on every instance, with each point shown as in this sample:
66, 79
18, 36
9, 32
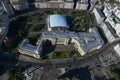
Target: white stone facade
84, 42
54, 4
82, 6
109, 32
98, 15
26, 48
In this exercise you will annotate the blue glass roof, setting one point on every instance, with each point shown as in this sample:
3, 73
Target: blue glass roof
57, 20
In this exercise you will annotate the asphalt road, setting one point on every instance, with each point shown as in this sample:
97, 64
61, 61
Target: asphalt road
73, 61
7, 59
57, 63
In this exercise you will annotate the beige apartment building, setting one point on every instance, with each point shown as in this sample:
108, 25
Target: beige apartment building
68, 4
20, 4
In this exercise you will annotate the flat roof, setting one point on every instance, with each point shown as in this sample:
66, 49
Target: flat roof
57, 20
25, 45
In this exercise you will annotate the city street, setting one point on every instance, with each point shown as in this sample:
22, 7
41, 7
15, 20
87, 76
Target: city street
96, 66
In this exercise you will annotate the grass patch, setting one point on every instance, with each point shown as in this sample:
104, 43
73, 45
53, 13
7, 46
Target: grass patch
61, 54
49, 12
115, 71
78, 54
38, 17
38, 27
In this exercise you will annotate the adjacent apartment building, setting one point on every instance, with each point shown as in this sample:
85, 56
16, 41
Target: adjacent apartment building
109, 20
113, 17
68, 4
20, 4
7, 7
109, 31
98, 15
4, 24
82, 5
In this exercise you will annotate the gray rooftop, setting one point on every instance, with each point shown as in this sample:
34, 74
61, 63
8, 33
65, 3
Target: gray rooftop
87, 40
25, 45
59, 34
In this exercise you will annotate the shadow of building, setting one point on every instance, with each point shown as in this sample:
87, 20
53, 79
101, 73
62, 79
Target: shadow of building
7, 61
79, 73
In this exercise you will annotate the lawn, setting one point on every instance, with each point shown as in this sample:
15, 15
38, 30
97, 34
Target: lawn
49, 12
37, 27
115, 71
38, 17
78, 54
61, 54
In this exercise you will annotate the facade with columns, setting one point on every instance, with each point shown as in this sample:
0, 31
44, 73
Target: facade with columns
68, 4
84, 42
55, 41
